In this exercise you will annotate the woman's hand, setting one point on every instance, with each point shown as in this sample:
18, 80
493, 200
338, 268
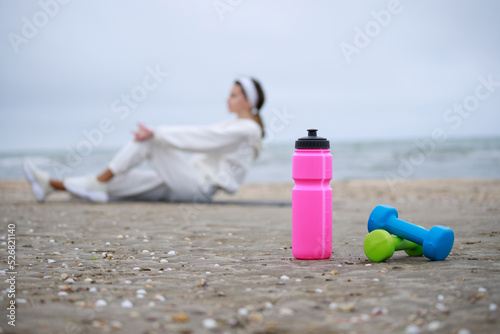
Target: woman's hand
143, 133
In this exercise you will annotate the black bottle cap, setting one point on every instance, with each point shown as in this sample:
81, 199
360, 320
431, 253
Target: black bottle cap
312, 141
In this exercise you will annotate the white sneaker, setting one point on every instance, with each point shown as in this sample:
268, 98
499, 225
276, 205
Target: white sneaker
39, 180
87, 187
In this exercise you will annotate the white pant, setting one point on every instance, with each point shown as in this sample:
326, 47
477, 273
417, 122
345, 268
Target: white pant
172, 179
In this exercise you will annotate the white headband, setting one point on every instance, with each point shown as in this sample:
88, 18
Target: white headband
250, 91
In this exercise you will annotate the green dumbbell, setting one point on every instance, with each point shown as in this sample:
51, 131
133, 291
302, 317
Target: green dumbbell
379, 245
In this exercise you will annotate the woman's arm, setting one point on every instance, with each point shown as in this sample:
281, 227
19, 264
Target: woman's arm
215, 138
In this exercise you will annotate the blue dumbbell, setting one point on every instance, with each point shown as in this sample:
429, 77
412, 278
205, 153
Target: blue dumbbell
436, 242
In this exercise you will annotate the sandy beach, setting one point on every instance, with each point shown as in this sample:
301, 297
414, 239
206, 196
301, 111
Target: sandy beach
227, 267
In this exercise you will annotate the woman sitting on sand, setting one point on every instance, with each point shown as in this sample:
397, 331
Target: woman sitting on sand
223, 153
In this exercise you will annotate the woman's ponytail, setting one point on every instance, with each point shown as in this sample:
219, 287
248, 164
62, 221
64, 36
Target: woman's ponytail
260, 102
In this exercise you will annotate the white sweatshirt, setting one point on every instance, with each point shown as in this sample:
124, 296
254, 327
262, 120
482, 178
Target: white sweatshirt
223, 151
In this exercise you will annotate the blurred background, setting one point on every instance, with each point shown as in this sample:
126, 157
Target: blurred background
403, 89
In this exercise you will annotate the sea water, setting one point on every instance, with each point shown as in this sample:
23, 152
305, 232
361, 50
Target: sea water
389, 159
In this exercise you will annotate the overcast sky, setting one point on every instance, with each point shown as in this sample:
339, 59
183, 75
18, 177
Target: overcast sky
353, 69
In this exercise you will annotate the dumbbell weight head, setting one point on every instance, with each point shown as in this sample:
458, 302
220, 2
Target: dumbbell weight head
438, 243
380, 216
415, 251
379, 246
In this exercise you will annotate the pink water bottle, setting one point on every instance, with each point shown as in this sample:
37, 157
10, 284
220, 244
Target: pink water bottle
312, 198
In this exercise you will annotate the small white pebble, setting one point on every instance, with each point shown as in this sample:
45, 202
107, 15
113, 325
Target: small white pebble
69, 280
284, 277
216, 265
412, 329
62, 293
286, 311
209, 323
318, 291
482, 290
333, 306
298, 280
163, 261
127, 282
464, 331
100, 303
160, 298
52, 240
104, 255
51, 261
243, 312
441, 308
339, 265
229, 234
21, 300
93, 290
171, 253
368, 265
108, 243
145, 251
145, 240
208, 273
76, 248
127, 304
434, 326
137, 268
493, 307
440, 298
376, 280
141, 292
202, 258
